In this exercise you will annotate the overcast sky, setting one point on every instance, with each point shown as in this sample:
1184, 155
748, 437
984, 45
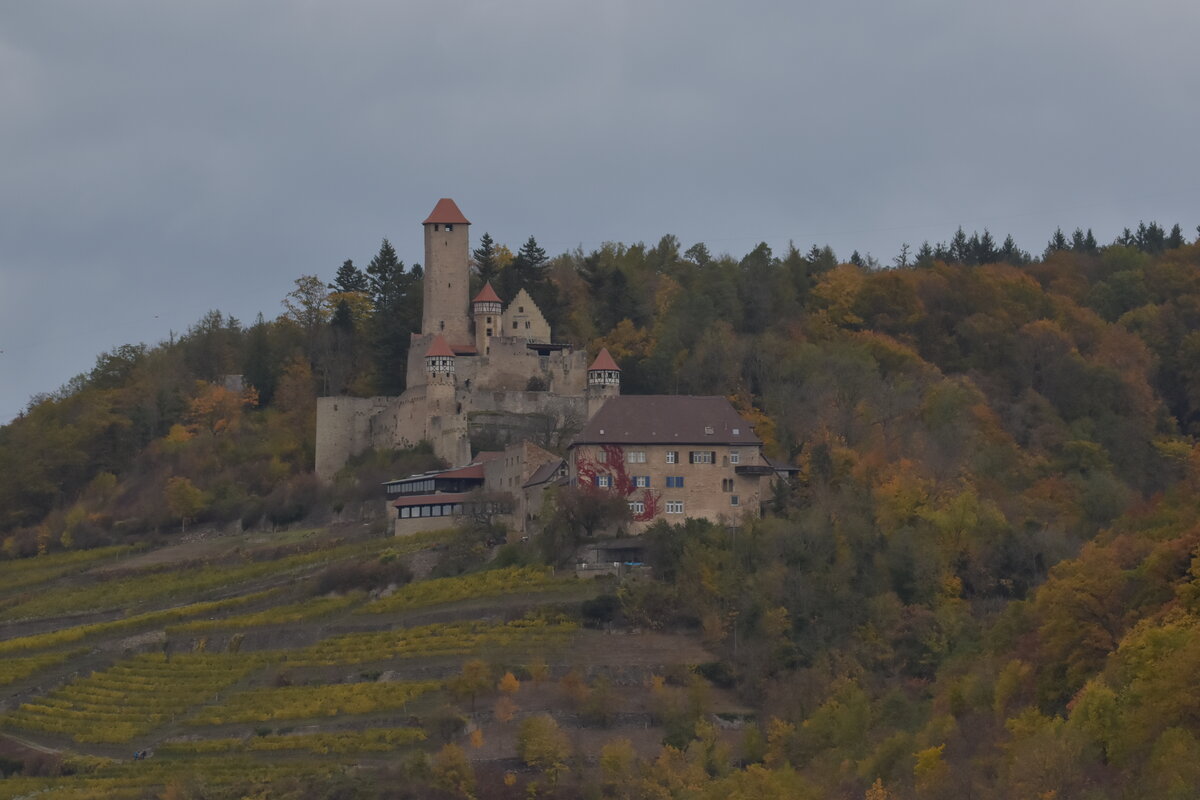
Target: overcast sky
158, 160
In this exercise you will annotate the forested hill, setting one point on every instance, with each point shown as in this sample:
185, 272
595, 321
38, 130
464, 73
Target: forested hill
964, 421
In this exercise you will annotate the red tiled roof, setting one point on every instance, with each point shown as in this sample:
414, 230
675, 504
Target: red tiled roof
439, 348
464, 349
487, 295
469, 471
667, 419
445, 211
604, 361
484, 456
430, 499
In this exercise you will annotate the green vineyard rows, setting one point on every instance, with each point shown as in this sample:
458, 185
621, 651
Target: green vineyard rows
481, 584
307, 702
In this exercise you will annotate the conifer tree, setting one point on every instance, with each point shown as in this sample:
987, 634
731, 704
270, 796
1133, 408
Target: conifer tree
925, 255
1057, 243
485, 259
259, 366
985, 248
396, 301
960, 248
350, 279
1011, 254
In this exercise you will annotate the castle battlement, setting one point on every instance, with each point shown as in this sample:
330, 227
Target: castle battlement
481, 367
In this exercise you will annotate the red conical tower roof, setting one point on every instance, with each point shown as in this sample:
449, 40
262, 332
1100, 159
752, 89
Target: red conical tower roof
487, 295
604, 361
439, 348
446, 212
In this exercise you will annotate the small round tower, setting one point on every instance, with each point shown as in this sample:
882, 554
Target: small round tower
439, 376
604, 381
486, 309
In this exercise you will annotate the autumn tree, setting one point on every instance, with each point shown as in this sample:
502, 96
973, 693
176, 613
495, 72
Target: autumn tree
453, 773
213, 409
475, 678
184, 500
541, 744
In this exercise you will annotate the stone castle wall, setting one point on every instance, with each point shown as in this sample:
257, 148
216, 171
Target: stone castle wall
344, 429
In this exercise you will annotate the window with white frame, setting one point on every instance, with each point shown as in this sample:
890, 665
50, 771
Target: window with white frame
701, 456
603, 481
637, 507
635, 457
735, 457
674, 506
602, 456
672, 456
641, 481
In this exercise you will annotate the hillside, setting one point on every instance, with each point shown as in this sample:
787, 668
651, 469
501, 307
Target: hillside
981, 583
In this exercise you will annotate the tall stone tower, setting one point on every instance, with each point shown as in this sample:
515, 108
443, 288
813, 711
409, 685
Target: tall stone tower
447, 274
604, 381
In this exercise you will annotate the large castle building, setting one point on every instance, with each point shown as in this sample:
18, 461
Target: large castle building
477, 368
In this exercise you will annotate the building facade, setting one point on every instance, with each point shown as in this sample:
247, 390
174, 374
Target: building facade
672, 457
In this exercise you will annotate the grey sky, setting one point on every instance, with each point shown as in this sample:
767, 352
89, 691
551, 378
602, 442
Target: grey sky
158, 160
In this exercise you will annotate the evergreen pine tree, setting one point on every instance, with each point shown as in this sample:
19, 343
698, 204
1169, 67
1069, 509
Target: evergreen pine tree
349, 279
1011, 254
960, 247
259, 366
485, 259
925, 256
1176, 238
396, 300
698, 253
1083, 242
985, 249
1057, 242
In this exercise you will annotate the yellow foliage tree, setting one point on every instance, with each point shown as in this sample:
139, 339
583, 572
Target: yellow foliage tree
541, 744
452, 771
184, 500
215, 409
509, 684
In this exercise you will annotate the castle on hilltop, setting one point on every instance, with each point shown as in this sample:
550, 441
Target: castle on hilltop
477, 367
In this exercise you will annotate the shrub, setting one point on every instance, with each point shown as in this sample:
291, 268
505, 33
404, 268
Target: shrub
364, 576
